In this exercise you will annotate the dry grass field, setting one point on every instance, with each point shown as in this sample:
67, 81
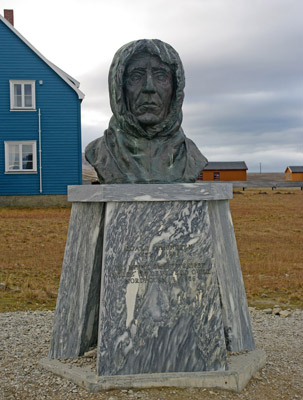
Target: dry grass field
269, 231
31, 252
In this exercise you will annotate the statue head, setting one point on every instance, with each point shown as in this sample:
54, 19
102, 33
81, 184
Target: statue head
146, 83
144, 141
148, 88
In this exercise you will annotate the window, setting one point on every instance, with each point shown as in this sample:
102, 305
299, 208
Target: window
22, 95
216, 176
200, 177
20, 156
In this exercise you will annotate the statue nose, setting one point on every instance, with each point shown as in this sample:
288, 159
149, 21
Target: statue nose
149, 84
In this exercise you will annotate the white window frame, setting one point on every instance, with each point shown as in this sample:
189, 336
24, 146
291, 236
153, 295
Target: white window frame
13, 106
8, 169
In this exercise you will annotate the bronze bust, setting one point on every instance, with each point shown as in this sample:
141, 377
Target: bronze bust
144, 142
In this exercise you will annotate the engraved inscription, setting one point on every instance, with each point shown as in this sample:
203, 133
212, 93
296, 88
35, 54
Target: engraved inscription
146, 268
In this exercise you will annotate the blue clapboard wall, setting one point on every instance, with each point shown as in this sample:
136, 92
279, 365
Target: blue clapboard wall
60, 110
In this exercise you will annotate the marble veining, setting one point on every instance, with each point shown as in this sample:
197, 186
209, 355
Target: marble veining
150, 192
160, 308
235, 312
172, 293
76, 318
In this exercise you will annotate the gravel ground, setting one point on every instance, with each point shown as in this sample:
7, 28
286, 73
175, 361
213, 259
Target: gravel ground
24, 340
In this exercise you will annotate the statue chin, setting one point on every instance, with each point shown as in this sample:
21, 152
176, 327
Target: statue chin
149, 119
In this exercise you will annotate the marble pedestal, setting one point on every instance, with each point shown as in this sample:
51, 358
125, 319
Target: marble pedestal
151, 275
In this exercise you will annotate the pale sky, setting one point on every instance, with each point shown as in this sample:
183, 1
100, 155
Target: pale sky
243, 64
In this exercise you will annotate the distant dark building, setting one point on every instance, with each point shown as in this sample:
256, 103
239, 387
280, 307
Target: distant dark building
224, 171
40, 141
294, 173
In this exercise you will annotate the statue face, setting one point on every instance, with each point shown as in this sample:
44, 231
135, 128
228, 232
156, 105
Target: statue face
148, 88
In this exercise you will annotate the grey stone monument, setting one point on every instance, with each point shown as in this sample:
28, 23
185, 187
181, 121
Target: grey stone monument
151, 273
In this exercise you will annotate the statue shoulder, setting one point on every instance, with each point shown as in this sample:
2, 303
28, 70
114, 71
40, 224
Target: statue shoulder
195, 154
93, 150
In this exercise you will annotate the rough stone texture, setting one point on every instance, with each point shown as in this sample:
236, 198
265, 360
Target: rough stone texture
236, 318
150, 192
76, 317
160, 308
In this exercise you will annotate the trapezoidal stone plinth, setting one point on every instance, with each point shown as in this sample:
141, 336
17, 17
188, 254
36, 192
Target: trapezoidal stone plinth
151, 275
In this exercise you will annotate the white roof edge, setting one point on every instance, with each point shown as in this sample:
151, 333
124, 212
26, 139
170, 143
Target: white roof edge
73, 83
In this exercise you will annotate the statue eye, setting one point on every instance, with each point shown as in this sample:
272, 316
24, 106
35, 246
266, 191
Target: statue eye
135, 76
162, 76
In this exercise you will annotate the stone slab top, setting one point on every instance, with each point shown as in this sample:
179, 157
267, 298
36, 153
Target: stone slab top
150, 192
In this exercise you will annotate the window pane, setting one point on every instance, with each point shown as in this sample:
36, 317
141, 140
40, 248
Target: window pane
17, 89
27, 89
28, 95
27, 148
28, 101
17, 95
13, 156
27, 164
27, 156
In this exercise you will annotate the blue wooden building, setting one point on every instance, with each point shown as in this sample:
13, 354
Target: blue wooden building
40, 114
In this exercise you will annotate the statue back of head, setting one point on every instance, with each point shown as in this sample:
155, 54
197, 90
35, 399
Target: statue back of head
144, 142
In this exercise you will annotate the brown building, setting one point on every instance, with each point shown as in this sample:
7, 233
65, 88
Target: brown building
224, 171
294, 173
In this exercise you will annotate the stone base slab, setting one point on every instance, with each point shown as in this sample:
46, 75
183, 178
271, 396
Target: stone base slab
241, 368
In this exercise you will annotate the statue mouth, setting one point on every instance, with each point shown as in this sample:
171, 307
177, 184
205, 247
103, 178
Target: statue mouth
149, 107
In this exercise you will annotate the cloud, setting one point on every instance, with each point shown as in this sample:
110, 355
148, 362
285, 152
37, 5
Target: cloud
272, 159
242, 60
243, 64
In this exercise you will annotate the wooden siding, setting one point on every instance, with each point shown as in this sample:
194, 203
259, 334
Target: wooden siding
60, 121
225, 175
293, 176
